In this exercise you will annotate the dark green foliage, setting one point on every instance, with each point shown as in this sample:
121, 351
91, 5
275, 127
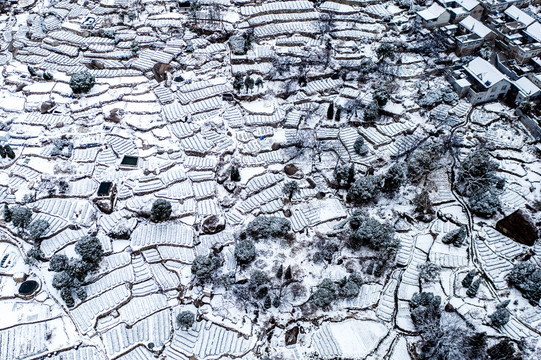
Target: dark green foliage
325, 293
485, 203
37, 228
62, 147
58, 263
370, 232
2, 152
280, 272
245, 251
501, 316
90, 250
455, 237
344, 175
82, 82
330, 111
381, 95
394, 178
371, 112
238, 82
7, 213
374, 268
287, 274
66, 295
268, 227
477, 173
79, 269
70, 273
259, 82
185, 320
468, 279
290, 188
429, 272
326, 252
9, 152
47, 76
364, 190
431, 98
61, 280
32, 71
526, 277
81, 293
385, 50
203, 267
161, 210
235, 174
360, 147
349, 287
259, 284
20, 216
276, 302
425, 309
474, 287
249, 83
422, 203
34, 254
338, 114
504, 350
424, 160
267, 303
444, 336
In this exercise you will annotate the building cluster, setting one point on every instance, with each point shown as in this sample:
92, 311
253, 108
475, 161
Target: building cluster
505, 34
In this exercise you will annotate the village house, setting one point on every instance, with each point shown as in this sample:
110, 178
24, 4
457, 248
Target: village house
434, 16
518, 33
460, 9
501, 5
479, 81
472, 35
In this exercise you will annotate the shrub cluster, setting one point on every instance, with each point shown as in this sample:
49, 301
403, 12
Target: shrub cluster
204, 267
161, 210
268, 227
71, 273
7, 151
367, 231
327, 291
477, 179
82, 82
526, 277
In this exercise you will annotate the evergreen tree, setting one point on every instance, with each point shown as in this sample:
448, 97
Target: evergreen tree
280, 272
235, 174
474, 287
267, 303
468, 279
287, 274
330, 111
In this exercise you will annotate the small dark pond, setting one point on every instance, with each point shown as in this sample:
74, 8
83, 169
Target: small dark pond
28, 287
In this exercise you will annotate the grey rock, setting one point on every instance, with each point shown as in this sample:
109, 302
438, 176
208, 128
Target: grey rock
213, 224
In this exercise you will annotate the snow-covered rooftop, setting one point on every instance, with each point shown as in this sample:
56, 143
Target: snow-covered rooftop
475, 26
519, 15
485, 72
432, 13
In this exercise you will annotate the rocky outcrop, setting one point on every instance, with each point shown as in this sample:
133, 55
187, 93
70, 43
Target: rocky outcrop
520, 227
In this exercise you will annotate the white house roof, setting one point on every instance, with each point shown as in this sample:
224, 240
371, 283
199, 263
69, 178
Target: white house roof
534, 30
431, 13
475, 26
518, 15
468, 4
484, 72
526, 86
